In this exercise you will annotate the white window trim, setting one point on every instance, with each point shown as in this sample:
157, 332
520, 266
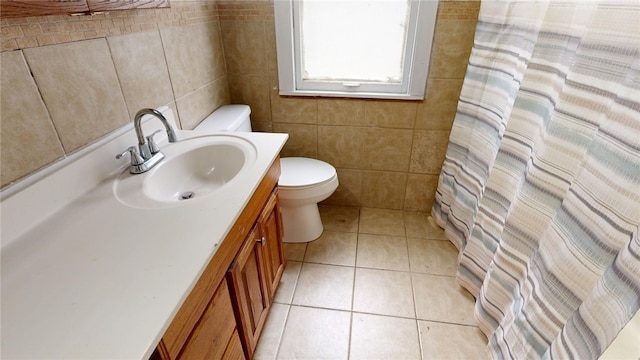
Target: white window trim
414, 88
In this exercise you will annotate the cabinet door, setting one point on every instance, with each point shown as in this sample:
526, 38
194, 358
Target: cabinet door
250, 291
234, 349
211, 337
270, 223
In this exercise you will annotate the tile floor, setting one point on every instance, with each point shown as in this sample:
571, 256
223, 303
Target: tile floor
378, 284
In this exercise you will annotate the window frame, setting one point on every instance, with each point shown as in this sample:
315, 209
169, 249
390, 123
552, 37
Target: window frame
421, 30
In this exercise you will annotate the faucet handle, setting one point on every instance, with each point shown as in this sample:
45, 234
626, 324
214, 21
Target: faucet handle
136, 159
153, 146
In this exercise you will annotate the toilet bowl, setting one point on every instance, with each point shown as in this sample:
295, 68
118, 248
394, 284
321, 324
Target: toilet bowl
303, 184
303, 181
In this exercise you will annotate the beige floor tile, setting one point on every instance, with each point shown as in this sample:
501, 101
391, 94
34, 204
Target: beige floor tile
333, 247
382, 252
447, 341
381, 222
383, 337
325, 286
339, 218
440, 298
272, 333
288, 282
294, 252
312, 333
418, 226
433, 257
383, 292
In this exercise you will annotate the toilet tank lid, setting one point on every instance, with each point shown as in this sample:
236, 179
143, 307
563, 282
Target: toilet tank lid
300, 171
226, 118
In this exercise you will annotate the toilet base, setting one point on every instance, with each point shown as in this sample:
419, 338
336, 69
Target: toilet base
301, 223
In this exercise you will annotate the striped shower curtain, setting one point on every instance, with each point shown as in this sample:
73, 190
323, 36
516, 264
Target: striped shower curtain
540, 188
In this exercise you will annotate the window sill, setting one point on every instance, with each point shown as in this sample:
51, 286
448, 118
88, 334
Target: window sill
345, 94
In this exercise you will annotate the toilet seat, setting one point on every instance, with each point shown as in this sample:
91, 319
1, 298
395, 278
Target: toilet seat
301, 173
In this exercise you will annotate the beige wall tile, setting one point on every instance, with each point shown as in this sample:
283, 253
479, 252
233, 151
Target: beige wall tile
429, 150
79, 85
261, 126
195, 106
194, 55
252, 90
29, 140
293, 110
142, 70
271, 53
303, 139
244, 46
421, 191
341, 146
349, 192
383, 189
453, 40
438, 110
393, 114
341, 112
387, 149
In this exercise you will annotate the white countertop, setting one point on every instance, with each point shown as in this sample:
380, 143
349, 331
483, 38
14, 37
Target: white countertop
100, 279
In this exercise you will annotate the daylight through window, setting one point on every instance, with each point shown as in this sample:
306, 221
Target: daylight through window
357, 48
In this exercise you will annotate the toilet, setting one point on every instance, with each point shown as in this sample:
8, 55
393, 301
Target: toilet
303, 182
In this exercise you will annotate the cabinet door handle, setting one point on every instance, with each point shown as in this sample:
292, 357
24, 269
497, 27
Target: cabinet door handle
262, 241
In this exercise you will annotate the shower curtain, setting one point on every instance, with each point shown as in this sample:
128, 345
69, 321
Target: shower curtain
540, 188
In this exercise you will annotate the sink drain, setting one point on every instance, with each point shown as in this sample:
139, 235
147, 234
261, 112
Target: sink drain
186, 195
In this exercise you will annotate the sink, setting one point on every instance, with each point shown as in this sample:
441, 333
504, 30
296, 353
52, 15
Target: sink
193, 169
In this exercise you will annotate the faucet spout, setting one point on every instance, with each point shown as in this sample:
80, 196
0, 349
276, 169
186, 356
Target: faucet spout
137, 124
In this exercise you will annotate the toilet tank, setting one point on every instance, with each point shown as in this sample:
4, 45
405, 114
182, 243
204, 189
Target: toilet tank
227, 118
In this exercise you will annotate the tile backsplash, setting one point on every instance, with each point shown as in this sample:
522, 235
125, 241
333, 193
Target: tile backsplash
67, 81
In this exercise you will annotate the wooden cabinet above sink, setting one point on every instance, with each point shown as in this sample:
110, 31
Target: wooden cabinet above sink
26, 8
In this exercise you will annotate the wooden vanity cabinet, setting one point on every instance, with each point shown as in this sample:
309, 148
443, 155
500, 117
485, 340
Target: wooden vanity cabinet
223, 316
215, 330
248, 280
255, 274
270, 224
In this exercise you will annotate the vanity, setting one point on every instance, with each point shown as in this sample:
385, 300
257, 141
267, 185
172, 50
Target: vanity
100, 263
241, 278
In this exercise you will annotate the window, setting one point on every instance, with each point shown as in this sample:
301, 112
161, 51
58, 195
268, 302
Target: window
354, 48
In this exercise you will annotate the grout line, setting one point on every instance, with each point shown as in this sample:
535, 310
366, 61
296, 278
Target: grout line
355, 267
284, 326
350, 333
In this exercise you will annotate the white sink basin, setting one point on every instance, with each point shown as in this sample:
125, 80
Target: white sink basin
193, 169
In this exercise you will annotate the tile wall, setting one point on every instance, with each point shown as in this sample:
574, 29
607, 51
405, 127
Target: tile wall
388, 153
69, 80
198, 55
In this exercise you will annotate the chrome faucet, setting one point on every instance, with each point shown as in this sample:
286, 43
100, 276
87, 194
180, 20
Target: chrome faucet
148, 154
149, 148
